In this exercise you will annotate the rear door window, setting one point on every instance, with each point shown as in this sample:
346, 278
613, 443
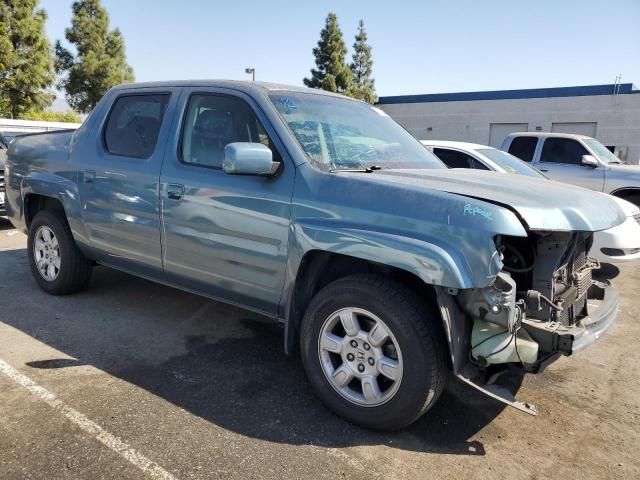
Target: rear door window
523, 148
457, 159
477, 165
562, 150
133, 125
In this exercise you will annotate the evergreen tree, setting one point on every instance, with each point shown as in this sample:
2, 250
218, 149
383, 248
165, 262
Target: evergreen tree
100, 62
26, 64
332, 73
362, 85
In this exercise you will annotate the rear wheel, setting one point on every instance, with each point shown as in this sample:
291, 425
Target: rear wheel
373, 352
57, 264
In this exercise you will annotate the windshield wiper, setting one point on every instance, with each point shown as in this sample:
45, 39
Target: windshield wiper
369, 169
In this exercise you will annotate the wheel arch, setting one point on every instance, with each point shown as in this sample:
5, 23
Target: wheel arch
318, 268
35, 202
41, 191
626, 192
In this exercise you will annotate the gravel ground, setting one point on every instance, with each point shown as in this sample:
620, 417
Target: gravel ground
135, 380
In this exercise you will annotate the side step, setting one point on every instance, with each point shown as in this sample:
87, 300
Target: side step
502, 395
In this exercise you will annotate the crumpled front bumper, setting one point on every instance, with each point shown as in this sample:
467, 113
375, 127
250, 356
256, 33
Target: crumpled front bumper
567, 340
555, 339
597, 323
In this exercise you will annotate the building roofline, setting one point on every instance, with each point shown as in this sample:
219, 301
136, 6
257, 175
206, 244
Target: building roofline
554, 92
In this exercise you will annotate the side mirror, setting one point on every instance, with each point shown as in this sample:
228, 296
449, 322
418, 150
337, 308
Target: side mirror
589, 161
245, 158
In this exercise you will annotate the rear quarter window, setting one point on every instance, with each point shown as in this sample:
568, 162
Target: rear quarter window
133, 125
453, 158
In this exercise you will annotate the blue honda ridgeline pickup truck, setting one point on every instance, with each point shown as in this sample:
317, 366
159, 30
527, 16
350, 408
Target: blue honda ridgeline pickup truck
386, 270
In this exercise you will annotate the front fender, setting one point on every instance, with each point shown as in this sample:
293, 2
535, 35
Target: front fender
458, 254
461, 254
433, 263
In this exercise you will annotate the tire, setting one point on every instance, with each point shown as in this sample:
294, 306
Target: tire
73, 269
414, 333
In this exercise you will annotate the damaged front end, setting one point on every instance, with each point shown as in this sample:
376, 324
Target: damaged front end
545, 303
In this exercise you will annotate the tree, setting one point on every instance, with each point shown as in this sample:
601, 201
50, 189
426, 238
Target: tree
362, 85
49, 116
26, 63
100, 60
332, 73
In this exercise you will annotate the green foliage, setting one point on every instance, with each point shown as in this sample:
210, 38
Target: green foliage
26, 65
332, 73
49, 116
100, 61
362, 85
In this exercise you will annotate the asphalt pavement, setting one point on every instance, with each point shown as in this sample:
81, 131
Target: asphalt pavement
132, 380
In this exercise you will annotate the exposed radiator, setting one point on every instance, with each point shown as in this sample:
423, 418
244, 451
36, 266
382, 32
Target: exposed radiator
581, 278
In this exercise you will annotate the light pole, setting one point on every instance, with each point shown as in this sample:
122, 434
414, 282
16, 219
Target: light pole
251, 71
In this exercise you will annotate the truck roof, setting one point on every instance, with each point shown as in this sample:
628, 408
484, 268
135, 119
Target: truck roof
547, 134
242, 85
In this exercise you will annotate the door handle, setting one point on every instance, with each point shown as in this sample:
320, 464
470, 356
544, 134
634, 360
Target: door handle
88, 176
175, 191
544, 169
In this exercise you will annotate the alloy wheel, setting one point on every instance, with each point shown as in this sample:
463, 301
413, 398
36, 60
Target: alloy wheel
360, 357
46, 253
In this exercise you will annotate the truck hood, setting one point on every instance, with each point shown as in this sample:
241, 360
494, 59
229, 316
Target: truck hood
621, 167
630, 173
541, 204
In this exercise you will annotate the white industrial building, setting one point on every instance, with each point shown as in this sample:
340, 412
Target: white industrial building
610, 113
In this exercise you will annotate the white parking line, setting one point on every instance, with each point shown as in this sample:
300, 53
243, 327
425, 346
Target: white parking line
151, 468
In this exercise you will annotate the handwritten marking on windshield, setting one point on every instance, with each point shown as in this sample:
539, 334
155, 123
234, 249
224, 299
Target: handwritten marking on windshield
474, 210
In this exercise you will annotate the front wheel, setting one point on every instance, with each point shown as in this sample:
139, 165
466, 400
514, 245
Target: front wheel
373, 351
56, 262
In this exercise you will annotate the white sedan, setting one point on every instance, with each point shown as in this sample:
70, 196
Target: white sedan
616, 245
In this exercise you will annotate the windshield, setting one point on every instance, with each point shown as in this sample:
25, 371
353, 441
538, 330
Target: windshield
339, 134
510, 163
602, 152
3, 142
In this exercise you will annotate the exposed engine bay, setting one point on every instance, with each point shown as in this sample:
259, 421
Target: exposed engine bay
530, 313
538, 308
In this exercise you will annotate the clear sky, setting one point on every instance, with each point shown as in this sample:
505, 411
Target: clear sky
418, 46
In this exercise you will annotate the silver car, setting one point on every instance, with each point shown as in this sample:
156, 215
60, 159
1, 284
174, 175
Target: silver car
576, 159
